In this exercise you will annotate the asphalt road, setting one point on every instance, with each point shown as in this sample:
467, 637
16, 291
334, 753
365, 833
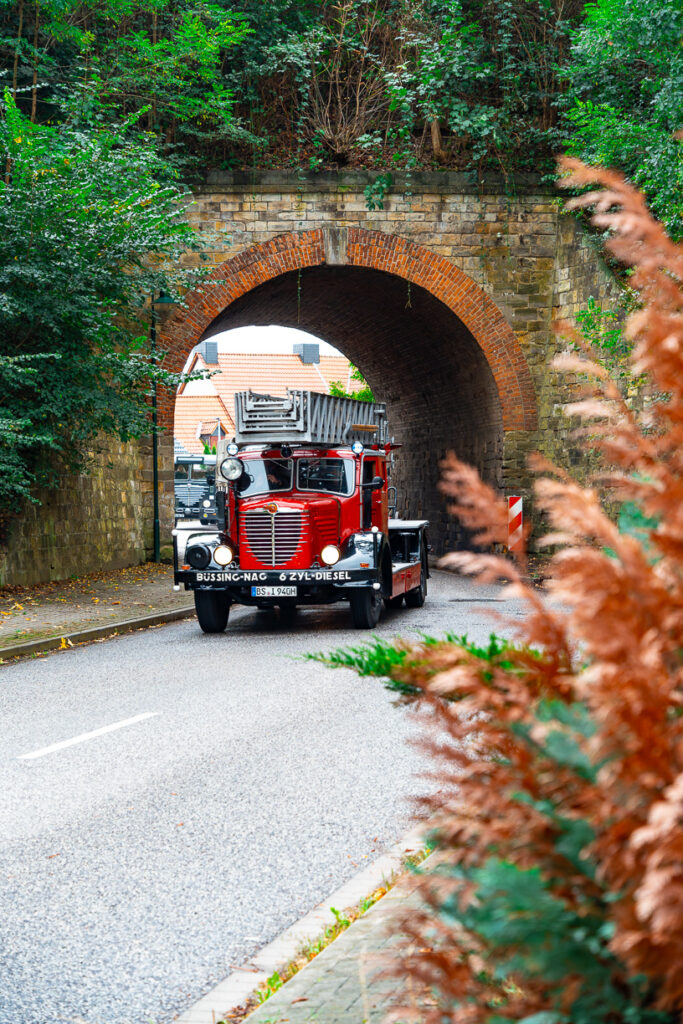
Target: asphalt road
140, 864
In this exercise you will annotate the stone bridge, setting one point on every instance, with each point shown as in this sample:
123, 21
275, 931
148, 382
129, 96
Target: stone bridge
444, 299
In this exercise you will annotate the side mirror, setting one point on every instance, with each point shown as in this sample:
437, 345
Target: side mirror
376, 484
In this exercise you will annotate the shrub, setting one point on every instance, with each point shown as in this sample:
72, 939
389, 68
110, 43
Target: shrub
91, 226
558, 890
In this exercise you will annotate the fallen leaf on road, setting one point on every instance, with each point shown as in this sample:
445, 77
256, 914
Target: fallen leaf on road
66, 643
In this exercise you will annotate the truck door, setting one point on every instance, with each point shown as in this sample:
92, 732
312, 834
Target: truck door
368, 473
374, 502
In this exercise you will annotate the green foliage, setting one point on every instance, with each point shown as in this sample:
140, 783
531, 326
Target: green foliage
395, 661
340, 918
625, 97
106, 61
376, 83
486, 72
538, 935
88, 222
270, 986
377, 190
362, 394
603, 330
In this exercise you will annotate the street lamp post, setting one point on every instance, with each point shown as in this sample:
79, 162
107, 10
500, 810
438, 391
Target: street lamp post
162, 300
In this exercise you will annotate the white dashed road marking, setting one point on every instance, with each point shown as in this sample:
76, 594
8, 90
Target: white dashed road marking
86, 736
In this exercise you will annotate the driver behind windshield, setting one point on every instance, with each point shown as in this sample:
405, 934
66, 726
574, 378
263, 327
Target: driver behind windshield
278, 474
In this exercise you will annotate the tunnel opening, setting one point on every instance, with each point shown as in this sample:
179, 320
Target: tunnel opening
418, 357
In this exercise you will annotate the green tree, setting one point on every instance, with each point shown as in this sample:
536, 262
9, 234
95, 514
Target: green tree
90, 222
113, 59
625, 98
483, 77
362, 394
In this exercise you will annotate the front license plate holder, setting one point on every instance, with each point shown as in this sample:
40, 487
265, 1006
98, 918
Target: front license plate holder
273, 591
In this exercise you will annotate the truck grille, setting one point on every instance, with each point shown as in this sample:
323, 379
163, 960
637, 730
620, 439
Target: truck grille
274, 539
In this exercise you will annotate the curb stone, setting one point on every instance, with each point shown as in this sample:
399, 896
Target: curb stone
95, 633
236, 988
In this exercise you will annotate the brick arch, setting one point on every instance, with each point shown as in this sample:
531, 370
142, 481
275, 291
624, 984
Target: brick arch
374, 250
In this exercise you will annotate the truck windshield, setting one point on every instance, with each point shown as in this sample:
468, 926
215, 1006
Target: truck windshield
335, 476
264, 475
194, 483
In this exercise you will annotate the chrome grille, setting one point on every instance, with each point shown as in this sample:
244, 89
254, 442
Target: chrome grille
274, 539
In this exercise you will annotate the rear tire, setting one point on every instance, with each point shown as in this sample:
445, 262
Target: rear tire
366, 608
213, 609
416, 598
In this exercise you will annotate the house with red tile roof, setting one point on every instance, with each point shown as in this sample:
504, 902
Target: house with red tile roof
205, 409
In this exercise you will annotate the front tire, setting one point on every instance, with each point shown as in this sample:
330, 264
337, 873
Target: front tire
366, 608
213, 609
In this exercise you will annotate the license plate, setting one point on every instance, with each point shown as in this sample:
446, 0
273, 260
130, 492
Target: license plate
273, 591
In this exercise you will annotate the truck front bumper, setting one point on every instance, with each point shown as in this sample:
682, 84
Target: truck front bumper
311, 584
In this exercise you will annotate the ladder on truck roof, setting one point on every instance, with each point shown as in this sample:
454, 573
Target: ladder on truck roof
307, 417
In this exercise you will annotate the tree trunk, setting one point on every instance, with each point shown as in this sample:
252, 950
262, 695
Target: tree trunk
16, 52
34, 87
437, 147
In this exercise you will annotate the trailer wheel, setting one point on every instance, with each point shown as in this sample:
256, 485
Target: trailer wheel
213, 608
366, 608
415, 598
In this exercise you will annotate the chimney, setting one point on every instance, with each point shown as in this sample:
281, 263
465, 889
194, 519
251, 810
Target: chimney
209, 350
308, 352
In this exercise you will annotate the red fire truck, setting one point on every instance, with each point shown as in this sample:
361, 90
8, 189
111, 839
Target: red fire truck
303, 515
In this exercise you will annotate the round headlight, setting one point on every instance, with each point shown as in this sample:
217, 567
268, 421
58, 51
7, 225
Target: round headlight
206, 503
198, 556
330, 554
223, 555
231, 469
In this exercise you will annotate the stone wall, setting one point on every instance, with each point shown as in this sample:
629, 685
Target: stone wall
100, 520
510, 239
498, 258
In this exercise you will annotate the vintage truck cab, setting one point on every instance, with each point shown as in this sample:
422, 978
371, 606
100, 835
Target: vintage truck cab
303, 515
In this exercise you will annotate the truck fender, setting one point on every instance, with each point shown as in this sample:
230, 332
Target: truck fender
360, 547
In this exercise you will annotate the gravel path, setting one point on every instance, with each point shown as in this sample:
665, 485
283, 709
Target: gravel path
140, 865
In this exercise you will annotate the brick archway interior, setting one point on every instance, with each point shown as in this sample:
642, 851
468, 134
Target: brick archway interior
418, 355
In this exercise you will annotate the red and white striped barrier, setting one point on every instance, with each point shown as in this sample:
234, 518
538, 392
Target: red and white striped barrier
515, 523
